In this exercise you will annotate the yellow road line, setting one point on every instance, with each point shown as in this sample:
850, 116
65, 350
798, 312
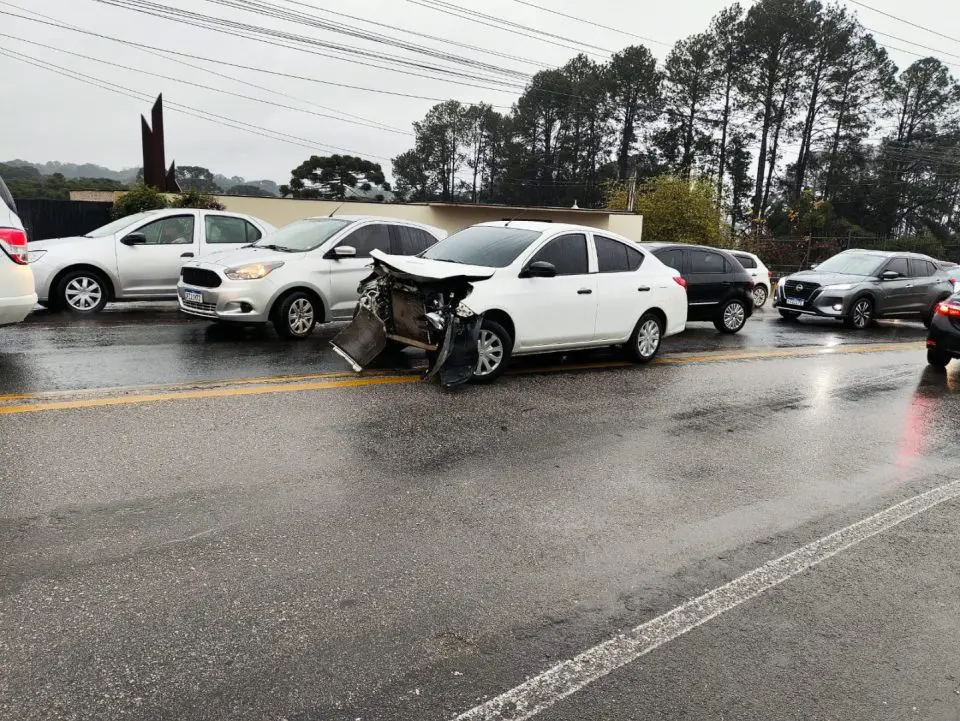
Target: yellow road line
201, 394
345, 379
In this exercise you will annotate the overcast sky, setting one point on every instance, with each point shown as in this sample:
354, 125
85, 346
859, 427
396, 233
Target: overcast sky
49, 117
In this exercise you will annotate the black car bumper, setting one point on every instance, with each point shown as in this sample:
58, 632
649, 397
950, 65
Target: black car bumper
944, 335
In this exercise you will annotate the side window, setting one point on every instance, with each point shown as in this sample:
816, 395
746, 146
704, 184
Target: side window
746, 261
922, 268
672, 258
616, 257
253, 232
704, 261
413, 241
224, 229
176, 230
900, 265
567, 252
367, 238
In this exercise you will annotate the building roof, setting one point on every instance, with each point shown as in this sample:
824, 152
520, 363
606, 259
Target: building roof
526, 208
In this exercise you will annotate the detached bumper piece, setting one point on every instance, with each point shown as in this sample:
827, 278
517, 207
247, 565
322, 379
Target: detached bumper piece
415, 311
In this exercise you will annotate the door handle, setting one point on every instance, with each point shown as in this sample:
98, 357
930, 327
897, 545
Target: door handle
643, 288
584, 291
186, 255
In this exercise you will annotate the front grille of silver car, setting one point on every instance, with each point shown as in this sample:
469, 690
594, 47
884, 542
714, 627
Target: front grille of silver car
200, 277
800, 289
205, 308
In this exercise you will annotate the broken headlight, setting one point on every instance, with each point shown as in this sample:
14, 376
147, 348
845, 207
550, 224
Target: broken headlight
464, 312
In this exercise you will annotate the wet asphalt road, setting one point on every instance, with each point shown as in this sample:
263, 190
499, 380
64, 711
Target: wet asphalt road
397, 552
136, 344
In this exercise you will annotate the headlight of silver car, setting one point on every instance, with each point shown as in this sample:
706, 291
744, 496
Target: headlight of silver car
252, 271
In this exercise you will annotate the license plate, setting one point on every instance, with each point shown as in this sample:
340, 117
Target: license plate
794, 301
193, 296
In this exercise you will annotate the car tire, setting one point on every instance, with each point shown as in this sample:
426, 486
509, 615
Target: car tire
937, 358
81, 291
296, 316
789, 314
760, 295
860, 315
645, 341
732, 317
495, 347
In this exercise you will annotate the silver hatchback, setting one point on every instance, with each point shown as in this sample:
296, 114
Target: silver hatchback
305, 273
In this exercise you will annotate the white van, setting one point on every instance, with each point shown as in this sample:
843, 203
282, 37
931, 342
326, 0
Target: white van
17, 293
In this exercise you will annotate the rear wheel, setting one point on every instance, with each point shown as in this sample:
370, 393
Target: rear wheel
789, 314
860, 314
937, 358
296, 316
759, 295
82, 291
732, 317
644, 343
494, 346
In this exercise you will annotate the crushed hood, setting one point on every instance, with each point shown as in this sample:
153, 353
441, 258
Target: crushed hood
429, 271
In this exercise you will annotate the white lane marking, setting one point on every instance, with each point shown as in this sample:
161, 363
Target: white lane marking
543, 691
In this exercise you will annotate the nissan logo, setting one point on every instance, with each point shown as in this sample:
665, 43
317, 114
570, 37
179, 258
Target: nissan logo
799, 286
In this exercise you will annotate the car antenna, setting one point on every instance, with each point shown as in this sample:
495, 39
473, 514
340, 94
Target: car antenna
336, 209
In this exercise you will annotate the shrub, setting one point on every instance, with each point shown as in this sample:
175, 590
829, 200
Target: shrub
196, 199
140, 198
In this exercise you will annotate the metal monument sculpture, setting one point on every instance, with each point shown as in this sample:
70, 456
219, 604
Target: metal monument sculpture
155, 172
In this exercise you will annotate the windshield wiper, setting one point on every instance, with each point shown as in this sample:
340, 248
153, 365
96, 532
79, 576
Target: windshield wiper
281, 248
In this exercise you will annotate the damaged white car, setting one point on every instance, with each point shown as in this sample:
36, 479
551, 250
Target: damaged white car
498, 290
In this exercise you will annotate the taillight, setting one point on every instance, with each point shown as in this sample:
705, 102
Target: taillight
770, 274
949, 308
953, 281
680, 281
14, 243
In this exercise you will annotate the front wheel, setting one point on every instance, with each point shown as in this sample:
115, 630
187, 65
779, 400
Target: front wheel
296, 316
82, 291
937, 358
860, 314
644, 343
494, 347
732, 318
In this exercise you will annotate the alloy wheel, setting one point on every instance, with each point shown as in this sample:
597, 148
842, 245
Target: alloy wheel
300, 316
83, 293
759, 296
734, 316
861, 313
648, 339
490, 348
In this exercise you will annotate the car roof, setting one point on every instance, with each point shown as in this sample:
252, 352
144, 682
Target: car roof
889, 253
658, 245
544, 226
385, 218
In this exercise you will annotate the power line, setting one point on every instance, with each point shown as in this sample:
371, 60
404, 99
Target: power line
179, 107
464, 14
591, 22
204, 87
911, 42
902, 20
240, 66
261, 34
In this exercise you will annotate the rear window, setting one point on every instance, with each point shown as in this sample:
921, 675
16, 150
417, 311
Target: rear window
485, 245
616, 257
745, 260
6, 197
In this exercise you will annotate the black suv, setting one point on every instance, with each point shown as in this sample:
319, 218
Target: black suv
718, 288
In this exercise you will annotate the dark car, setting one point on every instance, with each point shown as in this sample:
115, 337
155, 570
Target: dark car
943, 341
718, 288
859, 286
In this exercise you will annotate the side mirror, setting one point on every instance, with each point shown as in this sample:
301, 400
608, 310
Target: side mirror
540, 269
134, 239
889, 275
344, 251
813, 266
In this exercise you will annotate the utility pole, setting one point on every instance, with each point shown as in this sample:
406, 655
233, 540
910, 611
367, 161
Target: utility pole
632, 190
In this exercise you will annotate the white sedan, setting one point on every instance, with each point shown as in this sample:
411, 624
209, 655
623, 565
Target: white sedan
135, 258
504, 289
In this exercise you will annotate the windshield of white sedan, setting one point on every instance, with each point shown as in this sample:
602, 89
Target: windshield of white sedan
303, 235
852, 264
488, 246
118, 225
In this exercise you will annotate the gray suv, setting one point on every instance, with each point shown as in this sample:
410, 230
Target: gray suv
858, 286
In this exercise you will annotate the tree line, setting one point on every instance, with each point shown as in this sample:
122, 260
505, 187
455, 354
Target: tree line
791, 111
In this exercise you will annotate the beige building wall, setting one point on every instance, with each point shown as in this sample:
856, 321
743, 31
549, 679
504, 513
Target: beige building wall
448, 216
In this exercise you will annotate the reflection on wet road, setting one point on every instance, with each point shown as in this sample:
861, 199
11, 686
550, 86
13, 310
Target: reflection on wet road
151, 343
